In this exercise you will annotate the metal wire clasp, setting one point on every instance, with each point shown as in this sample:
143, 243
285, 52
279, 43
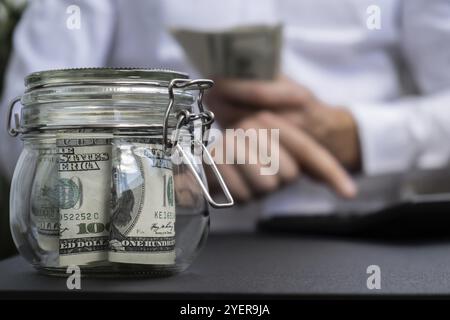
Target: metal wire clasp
207, 118
13, 132
226, 192
187, 84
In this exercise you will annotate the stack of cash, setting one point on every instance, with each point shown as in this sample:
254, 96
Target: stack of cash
98, 199
44, 204
143, 214
245, 52
84, 197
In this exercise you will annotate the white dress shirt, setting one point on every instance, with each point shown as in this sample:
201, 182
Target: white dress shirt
328, 47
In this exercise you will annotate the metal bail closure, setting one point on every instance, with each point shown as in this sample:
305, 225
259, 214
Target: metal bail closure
211, 201
13, 132
187, 84
207, 118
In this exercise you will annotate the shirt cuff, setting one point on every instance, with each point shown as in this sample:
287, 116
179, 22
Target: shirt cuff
386, 141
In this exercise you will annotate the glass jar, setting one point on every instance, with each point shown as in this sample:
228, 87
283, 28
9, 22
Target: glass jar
108, 179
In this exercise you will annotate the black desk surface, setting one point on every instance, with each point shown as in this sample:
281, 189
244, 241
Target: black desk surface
263, 264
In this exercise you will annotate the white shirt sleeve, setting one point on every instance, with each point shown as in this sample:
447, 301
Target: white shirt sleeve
42, 41
413, 132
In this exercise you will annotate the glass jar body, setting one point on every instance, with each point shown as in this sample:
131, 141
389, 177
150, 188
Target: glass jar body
111, 202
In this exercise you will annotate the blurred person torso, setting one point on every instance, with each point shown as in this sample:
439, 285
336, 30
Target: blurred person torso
327, 47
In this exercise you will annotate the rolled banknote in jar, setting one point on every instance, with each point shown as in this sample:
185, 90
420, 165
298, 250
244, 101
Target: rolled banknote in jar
45, 199
143, 204
84, 169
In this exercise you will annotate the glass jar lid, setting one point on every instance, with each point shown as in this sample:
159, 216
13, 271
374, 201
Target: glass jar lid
101, 97
101, 76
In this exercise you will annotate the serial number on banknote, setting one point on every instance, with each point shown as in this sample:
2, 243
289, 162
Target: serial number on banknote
80, 216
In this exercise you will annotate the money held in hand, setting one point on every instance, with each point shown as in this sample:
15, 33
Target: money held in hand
251, 52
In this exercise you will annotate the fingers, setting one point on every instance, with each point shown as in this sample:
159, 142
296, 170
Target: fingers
312, 156
233, 179
225, 113
282, 93
270, 151
287, 169
185, 194
245, 180
294, 150
246, 159
235, 182
295, 117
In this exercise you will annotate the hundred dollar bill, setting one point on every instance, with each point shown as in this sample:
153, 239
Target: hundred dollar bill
45, 200
143, 213
85, 193
251, 52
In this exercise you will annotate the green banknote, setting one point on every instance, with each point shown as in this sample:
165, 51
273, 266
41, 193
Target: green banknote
143, 212
84, 173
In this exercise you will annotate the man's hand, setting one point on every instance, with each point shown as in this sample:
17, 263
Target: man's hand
298, 152
333, 127
314, 138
